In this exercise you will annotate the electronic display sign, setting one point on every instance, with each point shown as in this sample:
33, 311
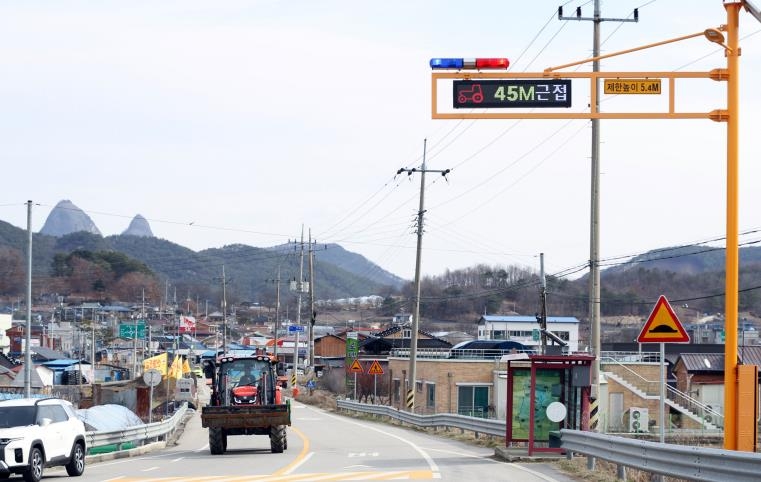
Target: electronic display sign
511, 93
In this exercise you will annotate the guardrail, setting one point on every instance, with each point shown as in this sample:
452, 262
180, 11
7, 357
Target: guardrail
450, 420
137, 433
681, 461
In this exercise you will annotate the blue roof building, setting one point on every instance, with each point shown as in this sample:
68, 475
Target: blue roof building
525, 329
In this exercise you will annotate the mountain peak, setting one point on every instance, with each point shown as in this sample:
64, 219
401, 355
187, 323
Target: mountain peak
139, 227
66, 218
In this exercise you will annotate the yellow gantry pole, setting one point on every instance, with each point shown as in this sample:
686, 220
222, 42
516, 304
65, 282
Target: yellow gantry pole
732, 255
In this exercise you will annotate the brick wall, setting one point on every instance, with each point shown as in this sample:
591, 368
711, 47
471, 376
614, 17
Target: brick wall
444, 375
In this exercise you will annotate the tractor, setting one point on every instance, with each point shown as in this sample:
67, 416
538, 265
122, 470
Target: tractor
245, 400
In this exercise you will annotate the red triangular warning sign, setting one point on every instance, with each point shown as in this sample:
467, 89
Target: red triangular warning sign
356, 367
375, 368
662, 326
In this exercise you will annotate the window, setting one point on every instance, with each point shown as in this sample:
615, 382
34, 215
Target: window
521, 334
430, 399
419, 387
406, 333
473, 400
563, 335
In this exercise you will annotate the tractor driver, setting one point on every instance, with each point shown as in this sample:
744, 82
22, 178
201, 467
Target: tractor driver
249, 378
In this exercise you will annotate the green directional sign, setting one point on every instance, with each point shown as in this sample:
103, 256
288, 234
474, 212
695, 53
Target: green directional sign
127, 330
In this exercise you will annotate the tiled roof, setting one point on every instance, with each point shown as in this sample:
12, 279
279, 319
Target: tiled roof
714, 362
703, 362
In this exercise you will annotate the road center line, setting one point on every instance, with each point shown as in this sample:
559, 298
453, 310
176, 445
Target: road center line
303, 456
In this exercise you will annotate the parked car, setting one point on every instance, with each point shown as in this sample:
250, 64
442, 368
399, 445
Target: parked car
36, 433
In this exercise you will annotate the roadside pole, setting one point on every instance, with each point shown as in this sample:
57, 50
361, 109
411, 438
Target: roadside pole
661, 411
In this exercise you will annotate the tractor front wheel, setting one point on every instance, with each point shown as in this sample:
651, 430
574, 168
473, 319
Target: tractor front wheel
217, 441
278, 440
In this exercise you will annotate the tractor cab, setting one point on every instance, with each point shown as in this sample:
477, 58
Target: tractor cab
245, 381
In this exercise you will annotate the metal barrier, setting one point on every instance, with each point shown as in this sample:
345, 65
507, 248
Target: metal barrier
138, 433
473, 424
681, 461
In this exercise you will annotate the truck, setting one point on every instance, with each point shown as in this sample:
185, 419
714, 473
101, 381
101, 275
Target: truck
245, 400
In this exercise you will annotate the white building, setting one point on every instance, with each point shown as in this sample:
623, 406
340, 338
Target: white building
6, 323
525, 329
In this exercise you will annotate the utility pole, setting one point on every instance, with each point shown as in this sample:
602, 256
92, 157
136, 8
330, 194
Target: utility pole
410, 401
224, 311
28, 330
277, 307
299, 290
543, 304
594, 236
312, 312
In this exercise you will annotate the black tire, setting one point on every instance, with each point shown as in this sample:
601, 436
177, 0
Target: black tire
76, 465
217, 441
5, 476
278, 441
33, 473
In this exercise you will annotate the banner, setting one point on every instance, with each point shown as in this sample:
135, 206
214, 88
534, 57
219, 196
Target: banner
175, 371
158, 362
187, 324
185, 367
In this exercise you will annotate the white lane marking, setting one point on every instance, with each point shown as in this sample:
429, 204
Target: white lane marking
148, 469
177, 459
204, 448
431, 463
363, 454
535, 473
465, 454
303, 461
489, 459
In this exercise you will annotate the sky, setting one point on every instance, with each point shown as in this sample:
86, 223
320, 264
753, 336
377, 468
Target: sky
239, 122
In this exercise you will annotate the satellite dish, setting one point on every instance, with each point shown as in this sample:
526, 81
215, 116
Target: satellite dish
556, 412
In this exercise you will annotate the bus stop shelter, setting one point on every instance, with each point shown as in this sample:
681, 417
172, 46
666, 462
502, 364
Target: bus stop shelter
546, 393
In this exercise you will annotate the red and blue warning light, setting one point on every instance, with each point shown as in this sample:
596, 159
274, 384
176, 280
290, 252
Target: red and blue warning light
472, 64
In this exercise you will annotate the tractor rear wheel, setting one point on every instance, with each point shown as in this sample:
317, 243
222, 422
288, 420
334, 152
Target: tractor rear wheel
278, 440
217, 441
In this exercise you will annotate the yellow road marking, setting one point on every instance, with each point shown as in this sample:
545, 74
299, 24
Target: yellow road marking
367, 475
299, 458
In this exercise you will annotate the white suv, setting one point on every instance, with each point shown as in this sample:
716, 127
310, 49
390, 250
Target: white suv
40, 432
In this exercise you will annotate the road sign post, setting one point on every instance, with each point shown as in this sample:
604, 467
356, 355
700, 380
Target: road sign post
375, 370
127, 331
663, 326
356, 367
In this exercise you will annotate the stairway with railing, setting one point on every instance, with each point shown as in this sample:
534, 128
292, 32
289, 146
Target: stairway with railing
703, 415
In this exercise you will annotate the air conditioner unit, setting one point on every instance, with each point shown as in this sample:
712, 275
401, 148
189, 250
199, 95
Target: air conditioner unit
638, 419
710, 417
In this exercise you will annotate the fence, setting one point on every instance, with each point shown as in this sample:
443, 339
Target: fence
474, 424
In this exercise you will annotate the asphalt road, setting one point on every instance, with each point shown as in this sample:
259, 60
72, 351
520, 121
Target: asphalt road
321, 446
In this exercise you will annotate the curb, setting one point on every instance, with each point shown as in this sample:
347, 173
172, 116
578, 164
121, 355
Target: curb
122, 454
